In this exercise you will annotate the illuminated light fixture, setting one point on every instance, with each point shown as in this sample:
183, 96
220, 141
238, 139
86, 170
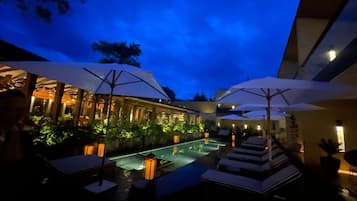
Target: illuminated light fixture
101, 149
331, 55
206, 134
233, 144
150, 167
233, 125
233, 138
340, 136
259, 127
219, 105
245, 126
206, 141
348, 172
218, 124
88, 150
233, 106
176, 139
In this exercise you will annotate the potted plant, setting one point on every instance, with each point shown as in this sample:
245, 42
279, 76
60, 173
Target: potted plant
329, 164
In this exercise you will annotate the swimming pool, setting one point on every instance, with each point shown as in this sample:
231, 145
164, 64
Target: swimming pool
174, 155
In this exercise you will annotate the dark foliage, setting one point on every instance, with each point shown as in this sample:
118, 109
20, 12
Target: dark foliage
121, 52
329, 146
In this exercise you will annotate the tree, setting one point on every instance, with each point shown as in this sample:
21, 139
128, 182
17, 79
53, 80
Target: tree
200, 97
118, 52
44, 8
170, 93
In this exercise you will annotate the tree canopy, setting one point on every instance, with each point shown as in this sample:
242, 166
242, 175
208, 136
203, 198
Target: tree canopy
170, 93
44, 9
200, 97
121, 52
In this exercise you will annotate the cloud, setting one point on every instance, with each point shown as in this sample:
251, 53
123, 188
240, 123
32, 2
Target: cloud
190, 46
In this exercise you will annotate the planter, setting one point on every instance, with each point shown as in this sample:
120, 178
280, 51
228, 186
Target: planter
329, 165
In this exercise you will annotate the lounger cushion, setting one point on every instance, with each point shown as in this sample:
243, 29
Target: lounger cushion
234, 165
278, 179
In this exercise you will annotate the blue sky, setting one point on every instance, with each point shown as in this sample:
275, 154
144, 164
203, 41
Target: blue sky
189, 45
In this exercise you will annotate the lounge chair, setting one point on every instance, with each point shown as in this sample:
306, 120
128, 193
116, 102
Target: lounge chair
239, 166
252, 158
224, 132
253, 152
81, 164
256, 140
277, 180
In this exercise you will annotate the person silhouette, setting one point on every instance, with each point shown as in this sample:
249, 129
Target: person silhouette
18, 159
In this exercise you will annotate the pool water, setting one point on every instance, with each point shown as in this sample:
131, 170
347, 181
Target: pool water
172, 156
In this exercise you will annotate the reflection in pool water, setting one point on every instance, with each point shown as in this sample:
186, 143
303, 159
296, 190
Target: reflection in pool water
174, 155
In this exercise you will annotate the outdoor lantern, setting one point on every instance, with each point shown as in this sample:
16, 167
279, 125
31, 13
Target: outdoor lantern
245, 126
206, 141
101, 148
206, 134
176, 139
259, 127
150, 167
233, 126
331, 54
88, 149
340, 135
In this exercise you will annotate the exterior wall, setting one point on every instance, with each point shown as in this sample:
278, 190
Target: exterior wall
308, 32
314, 125
288, 69
207, 109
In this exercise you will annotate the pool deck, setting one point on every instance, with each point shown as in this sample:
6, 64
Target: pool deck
184, 183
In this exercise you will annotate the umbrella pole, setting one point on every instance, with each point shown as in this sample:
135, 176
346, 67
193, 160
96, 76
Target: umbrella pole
269, 138
101, 172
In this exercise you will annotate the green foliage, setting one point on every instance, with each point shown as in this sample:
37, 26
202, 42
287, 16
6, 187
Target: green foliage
209, 125
329, 146
150, 128
48, 133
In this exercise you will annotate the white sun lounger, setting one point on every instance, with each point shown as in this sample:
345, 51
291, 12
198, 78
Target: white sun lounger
256, 140
271, 183
79, 164
242, 150
236, 166
253, 158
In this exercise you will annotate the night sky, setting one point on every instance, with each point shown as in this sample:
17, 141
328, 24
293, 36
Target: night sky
189, 45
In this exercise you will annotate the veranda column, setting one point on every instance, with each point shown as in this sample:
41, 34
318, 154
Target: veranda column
77, 107
93, 109
56, 109
29, 87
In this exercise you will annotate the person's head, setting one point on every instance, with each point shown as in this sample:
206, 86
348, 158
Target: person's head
12, 107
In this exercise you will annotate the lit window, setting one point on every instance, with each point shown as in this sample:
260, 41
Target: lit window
340, 136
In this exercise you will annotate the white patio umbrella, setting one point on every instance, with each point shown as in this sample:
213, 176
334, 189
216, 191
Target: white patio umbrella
262, 114
111, 79
277, 91
233, 117
293, 107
